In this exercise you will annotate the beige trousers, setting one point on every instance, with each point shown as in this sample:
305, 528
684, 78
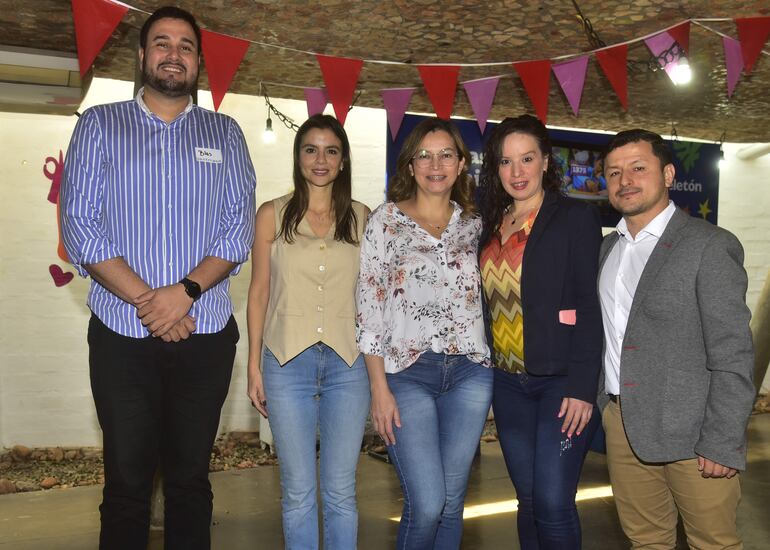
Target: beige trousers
648, 496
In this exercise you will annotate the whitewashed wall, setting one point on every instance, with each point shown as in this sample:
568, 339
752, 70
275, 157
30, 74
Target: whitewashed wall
45, 397
744, 201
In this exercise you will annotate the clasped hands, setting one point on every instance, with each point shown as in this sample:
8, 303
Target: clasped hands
164, 312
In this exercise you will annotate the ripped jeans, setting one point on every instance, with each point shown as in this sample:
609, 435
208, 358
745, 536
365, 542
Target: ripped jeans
543, 464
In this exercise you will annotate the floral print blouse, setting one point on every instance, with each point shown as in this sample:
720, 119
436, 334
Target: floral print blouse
417, 293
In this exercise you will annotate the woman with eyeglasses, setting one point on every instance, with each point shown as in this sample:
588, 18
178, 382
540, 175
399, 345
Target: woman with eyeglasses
539, 262
421, 327
304, 371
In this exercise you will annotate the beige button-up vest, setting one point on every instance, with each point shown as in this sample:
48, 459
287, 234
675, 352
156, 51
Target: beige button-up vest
312, 291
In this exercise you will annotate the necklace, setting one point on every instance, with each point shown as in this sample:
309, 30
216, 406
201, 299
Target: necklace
523, 214
508, 211
436, 226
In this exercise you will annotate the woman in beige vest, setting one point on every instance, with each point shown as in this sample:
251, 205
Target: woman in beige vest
304, 372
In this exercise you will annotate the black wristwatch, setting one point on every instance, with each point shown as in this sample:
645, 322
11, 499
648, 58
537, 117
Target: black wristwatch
192, 288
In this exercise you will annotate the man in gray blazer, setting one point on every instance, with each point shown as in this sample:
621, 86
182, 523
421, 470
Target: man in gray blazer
678, 357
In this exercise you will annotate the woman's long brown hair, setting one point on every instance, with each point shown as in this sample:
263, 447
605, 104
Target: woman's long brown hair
346, 228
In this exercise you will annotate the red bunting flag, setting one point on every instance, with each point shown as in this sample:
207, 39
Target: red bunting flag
341, 77
613, 63
752, 33
94, 22
536, 77
223, 55
441, 84
681, 33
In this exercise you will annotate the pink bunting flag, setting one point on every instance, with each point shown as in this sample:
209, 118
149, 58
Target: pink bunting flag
396, 100
316, 100
733, 62
572, 76
657, 45
94, 22
223, 55
341, 77
481, 94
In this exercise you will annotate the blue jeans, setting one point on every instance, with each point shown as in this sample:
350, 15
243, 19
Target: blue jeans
443, 401
317, 391
543, 463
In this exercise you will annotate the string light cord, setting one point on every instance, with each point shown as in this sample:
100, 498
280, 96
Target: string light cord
288, 122
653, 63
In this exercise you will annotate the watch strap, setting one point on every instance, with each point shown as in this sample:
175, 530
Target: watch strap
192, 288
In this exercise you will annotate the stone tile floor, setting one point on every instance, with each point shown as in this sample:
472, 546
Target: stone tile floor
247, 507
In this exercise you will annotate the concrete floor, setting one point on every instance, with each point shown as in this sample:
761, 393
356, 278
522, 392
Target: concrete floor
247, 507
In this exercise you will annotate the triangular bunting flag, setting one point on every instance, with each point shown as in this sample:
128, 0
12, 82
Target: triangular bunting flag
681, 33
396, 100
441, 84
733, 62
223, 55
572, 76
613, 63
753, 33
658, 44
94, 22
481, 94
316, 100
341, 76
536, 76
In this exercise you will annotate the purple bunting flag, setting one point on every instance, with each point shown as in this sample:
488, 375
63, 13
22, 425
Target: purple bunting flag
481, 94
659, 44
572, 76
316, 100
733, 62
396, 100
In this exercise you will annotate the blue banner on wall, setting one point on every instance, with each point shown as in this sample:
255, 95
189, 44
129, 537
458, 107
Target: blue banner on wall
695, 188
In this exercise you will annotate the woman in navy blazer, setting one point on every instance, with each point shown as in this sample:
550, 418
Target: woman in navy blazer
539, 261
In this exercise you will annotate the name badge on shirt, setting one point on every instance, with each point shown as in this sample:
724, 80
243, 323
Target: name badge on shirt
208, 155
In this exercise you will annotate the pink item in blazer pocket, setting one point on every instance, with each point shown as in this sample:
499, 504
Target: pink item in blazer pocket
567, 317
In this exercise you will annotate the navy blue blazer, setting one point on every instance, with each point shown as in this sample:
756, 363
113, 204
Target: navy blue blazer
559, 273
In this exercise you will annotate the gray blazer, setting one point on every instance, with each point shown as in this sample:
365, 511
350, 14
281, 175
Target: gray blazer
687, 360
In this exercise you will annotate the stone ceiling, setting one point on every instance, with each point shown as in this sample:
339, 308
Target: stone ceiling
470, 31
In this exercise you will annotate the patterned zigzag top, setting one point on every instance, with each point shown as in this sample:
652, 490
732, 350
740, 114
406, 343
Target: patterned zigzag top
500, 265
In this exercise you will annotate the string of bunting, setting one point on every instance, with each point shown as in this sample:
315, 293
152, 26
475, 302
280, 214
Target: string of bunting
95, 20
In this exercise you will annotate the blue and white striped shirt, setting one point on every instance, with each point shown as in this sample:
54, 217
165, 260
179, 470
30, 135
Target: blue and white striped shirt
162, 196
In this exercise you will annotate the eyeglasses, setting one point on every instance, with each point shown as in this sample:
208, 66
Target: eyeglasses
446, 157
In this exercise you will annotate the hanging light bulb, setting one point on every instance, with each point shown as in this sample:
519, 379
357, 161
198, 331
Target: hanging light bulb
268, 136
681, 73
722, 162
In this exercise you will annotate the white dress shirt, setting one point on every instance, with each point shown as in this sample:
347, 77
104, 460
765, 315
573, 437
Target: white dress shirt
617, 285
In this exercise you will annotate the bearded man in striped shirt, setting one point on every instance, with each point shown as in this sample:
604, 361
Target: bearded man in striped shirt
157, 206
